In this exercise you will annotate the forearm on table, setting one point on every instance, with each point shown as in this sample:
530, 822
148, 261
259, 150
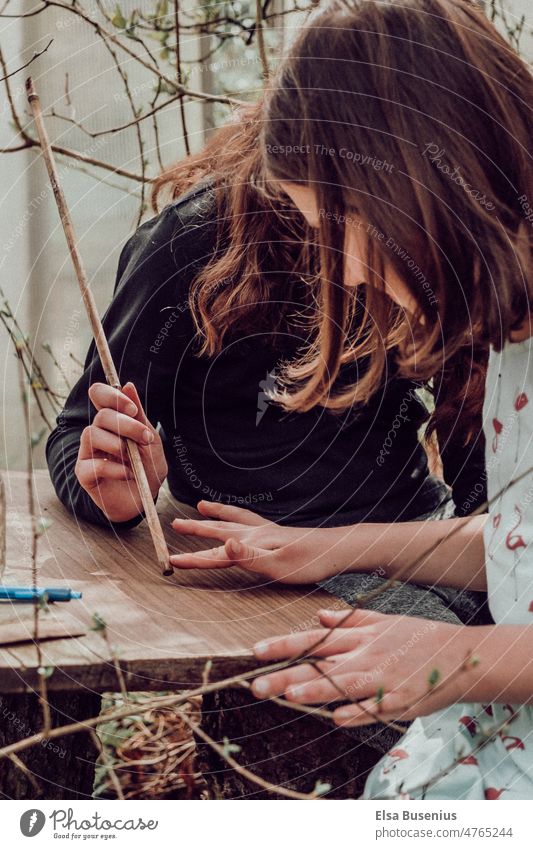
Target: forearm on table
61, 453
447, 552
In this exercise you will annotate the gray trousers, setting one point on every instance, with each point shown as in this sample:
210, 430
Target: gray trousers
442, 604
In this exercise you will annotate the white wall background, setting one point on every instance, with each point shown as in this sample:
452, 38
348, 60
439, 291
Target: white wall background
35, 271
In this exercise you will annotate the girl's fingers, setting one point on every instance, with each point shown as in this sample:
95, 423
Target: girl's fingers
335, 688
200, 528
308, 684
276, 683
387, 709
124, 426
94, 439
233, 553
130, 390
228, 513
319, 642
212, 558
104, 396
95, 470
257, 560
346, 619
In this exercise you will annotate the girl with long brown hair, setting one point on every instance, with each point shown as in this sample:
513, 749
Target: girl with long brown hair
430, 88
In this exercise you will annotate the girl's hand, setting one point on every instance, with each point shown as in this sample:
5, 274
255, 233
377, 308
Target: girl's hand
290, 555
103, 467
395, 667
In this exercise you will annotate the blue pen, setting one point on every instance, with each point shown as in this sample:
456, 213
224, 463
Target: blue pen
32, 593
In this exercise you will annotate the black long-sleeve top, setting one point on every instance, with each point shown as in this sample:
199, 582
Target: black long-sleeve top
223, 439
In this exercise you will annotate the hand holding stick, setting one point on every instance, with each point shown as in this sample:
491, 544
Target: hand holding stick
102, 346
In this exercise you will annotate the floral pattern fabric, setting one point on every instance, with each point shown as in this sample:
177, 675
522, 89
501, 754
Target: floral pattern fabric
474, 751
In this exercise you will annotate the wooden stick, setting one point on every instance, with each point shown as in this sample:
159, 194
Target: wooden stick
111, 374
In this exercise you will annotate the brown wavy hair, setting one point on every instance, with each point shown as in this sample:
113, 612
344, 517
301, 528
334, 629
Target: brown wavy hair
409, 65
415, 118
260, 269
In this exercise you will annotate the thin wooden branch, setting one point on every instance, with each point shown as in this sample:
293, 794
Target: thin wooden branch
261, 38
102, 345
241, 770
43, 695
179, 76
150, 66
27, 772
79, 157
94, 134
133, 708
26, 64
107, 764
140, 141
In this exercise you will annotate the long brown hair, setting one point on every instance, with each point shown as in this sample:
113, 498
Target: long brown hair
264, 247
415, 118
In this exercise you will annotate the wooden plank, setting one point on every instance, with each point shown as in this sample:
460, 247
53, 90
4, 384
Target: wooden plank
163, 630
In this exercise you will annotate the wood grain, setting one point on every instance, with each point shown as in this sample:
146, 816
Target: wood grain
163, 630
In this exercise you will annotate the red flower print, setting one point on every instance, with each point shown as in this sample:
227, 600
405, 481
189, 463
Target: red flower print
498, 427
470, 724
514, 542
493, 793
496, 519
521, 402
513, 743
395, 755
400, 754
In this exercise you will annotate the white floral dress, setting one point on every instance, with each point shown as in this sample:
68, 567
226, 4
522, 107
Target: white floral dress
474, 751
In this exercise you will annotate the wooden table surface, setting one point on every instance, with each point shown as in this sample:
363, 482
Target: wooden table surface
163, 630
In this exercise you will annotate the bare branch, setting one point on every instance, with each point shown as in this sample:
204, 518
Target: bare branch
261, 38
27, 64
94, 134
241, 770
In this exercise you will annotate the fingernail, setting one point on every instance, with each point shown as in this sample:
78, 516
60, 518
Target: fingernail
148, 436
131, 409
331, 614
344, 713
260, 649
261, 687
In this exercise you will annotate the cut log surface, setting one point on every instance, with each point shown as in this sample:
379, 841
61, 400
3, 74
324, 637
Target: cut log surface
163, 630
61, 768
289, 749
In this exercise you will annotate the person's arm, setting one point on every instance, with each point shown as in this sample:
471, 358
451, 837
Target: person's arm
302, 555
147, 326
464, 470
447, 552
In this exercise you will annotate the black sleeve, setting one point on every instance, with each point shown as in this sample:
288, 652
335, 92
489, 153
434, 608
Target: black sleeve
148, 326
464, 469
